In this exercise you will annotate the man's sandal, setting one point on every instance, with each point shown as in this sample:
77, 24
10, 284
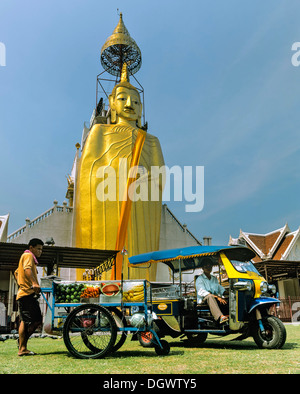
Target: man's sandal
29, 353
224, 319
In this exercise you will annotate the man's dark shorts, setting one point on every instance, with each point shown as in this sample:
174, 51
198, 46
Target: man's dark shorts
29, 308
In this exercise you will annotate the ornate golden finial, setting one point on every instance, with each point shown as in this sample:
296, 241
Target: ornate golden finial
121, 28
120, 48
124, 74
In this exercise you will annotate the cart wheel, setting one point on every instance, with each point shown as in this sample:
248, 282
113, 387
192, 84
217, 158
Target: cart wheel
120, 323
165, 350
89, 331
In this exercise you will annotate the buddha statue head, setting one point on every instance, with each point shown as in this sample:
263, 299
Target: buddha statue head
125, 102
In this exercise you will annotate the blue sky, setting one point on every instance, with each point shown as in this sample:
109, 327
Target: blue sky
220, 92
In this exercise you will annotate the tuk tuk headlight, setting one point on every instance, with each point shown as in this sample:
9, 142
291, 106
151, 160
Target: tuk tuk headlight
264, 287
272, 289
243, 285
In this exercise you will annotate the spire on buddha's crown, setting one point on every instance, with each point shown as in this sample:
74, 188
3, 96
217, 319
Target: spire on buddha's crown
124, 74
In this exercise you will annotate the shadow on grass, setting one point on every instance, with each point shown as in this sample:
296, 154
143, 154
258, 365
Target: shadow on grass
229, 344
54, 353
178, 348
143, 352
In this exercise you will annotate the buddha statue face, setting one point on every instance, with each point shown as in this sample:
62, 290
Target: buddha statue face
126, 106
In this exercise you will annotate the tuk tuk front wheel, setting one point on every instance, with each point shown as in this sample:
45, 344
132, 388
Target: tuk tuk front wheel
273, 336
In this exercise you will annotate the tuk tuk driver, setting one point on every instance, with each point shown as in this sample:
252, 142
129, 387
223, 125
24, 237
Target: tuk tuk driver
209, 291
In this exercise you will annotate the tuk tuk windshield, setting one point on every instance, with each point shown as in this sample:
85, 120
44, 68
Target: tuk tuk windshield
244, 266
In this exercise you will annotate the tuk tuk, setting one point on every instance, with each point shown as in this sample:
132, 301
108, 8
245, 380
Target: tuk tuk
249, 297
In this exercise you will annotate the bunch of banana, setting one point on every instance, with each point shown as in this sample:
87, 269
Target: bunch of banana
135, 294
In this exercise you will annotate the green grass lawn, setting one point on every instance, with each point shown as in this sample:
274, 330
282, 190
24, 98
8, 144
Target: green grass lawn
215, 356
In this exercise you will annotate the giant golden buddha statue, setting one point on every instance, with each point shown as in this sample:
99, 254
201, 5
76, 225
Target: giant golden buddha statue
114, 207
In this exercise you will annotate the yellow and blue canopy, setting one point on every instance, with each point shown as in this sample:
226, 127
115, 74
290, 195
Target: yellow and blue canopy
191, 257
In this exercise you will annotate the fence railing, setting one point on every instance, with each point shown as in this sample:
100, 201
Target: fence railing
288, 310
40, 218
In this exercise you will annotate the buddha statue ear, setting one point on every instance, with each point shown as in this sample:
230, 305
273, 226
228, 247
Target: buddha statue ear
113, 115
113, 112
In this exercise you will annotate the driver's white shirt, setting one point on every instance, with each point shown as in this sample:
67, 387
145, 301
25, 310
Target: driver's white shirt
205, 286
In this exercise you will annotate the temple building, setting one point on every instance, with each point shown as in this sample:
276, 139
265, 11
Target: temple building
277, 257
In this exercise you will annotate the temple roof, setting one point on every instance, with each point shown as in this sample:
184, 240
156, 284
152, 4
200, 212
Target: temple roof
3, 227
275, 245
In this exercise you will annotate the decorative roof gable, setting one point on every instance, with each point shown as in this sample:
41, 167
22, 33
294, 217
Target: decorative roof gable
3, 227
275, 245
286, 245
265, 245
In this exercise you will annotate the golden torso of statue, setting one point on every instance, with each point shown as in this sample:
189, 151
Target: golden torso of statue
101, 181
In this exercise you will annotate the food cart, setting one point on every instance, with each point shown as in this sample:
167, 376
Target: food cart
94, 317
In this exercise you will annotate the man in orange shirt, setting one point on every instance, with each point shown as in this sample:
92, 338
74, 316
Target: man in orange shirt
28, 293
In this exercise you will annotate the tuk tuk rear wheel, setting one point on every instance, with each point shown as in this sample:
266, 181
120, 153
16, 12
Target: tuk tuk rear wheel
146, 338
274, 335
196, 338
